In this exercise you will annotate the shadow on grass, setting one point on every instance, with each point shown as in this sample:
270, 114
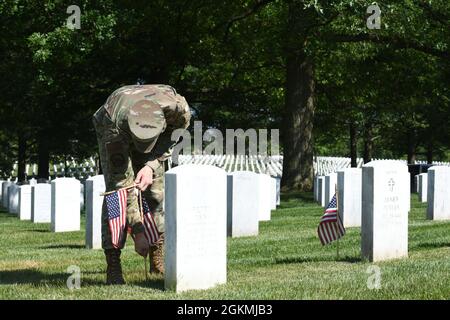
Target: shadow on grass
31, 276
37, 230
64, 246
101, 272
431, 245
302, 196
296, 199
317, 259
37, 278
156, 284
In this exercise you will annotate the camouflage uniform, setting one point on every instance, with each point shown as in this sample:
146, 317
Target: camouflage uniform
121, 160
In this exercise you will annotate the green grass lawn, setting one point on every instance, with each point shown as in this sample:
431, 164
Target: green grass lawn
286, 261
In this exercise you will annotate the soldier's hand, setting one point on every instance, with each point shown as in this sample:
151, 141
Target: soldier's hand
141, 245
144, 178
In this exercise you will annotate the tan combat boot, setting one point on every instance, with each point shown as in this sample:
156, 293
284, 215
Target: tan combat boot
114, 268
157, 256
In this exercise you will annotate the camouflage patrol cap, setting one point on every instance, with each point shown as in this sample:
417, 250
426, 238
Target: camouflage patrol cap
146, 122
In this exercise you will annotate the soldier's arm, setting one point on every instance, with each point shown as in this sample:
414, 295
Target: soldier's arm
177, 117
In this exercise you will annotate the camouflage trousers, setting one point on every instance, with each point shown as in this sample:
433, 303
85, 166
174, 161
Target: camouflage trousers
120, 163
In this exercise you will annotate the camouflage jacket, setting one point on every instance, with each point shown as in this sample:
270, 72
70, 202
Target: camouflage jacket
175, 108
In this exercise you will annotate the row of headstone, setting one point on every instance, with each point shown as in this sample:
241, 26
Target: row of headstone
350, 178
377, 198
433, 188
54, 203
348, 183
9, 194
250, 199
57, 203
271, 165
203, 204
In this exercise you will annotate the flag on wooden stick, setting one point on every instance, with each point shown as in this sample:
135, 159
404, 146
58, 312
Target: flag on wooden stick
330, 226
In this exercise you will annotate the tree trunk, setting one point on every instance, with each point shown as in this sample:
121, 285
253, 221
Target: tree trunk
298, 123
353, 144
43, 158
21, 159
411, 147
368, 144
430, 153
99, 165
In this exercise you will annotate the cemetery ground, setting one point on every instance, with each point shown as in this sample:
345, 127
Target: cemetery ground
286, 261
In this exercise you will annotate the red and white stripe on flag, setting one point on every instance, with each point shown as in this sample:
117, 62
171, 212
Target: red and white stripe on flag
117, 215
330, 226
150, 229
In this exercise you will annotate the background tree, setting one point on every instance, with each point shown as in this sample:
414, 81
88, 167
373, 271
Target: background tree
311, 68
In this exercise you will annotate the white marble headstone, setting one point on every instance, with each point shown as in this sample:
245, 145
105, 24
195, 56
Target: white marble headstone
316, 188
82, 196
438, 193
1, 191
423, 187
349, 196
94, 200
407, 190
13, 195
242, 204
416, 183
273, 200
330, 187
321, 190
25, 202
278, 179
196, 227
5, 197
384, 225
65, 205
265, 196
41, 203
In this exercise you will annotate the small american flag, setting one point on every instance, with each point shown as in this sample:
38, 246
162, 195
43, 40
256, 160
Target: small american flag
150, 230
117, 212
330, 226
